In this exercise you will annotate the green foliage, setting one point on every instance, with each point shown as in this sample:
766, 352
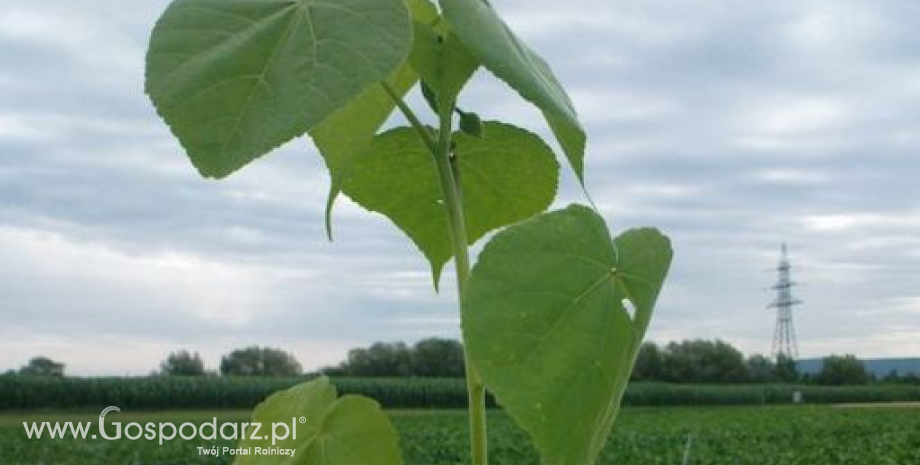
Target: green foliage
507, 175
710, 362
259, 361
348, 133
182, 363
501, 52
344, 431
894, 377
27, 393
428, 358
760, 369
437, 358
743, 436
842, 369
470, 124
786, 370
545, 321
649, 361
235, 79
380, 359
700, 361
443, 61
42, 366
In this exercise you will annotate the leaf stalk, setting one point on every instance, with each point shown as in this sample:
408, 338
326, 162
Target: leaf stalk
420, 128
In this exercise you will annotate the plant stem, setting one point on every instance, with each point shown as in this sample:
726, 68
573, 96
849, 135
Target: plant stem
453, 202
420, 128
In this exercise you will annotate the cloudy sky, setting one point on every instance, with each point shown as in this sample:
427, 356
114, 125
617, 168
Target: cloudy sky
733, 126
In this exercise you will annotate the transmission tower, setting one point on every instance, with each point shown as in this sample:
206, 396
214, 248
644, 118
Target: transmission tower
784, 335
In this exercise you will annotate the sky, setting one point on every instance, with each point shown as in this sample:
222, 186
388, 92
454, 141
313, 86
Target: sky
732, 126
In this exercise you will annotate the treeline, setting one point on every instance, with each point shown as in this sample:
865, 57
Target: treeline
686, 362
250, 361
428, 358
718, 362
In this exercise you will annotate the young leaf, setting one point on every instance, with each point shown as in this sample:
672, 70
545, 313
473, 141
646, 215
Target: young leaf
470, 124
430, 97
506, 176
236, 78
443, 63
546, 327
344, 431
497, 48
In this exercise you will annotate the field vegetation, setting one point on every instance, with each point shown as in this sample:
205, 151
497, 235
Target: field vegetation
773, 435
29, 393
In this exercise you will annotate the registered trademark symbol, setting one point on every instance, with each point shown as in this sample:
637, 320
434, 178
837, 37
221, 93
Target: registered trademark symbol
303, 420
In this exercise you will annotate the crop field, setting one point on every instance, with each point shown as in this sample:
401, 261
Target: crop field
819, 435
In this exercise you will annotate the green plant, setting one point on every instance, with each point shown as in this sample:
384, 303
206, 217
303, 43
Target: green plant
555, 309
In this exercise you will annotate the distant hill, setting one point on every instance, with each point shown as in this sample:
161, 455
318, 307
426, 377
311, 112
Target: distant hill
878, 366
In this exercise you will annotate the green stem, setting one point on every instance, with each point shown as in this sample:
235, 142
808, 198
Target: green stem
420, 128
454, 204
448, 176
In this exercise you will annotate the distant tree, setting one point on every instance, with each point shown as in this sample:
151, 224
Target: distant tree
786, 370
761, 369
892, 377
182, 363
840, 370
259, 361
380, 359
42, 366
910, 378
700, 361
648, 363
332, 371
435, 357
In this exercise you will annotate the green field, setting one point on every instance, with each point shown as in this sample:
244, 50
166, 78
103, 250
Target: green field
646, 436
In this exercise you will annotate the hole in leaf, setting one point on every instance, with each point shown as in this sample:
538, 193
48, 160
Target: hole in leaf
630, 308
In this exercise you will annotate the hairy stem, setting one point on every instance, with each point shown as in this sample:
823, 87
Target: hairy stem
453, 202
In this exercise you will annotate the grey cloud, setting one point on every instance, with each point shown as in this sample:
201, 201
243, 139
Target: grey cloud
731, 129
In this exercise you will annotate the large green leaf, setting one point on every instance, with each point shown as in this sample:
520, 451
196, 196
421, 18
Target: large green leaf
546, 322
349, 430
498, 49
236, 78
507, 175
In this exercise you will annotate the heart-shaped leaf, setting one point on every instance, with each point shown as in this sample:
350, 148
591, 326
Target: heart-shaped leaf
345, 431
545, 322
507, 175
497, 48
236, 78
